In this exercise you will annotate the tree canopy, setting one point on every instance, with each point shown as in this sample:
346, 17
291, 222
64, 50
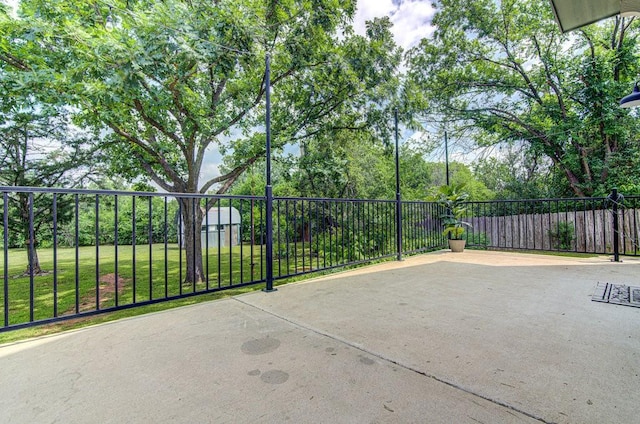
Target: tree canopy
503, 71
39, 147
173, 79
164, 83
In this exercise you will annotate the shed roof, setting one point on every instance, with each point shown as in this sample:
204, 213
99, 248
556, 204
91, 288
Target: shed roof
227, 216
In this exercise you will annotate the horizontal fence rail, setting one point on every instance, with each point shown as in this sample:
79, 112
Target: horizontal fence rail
71, 253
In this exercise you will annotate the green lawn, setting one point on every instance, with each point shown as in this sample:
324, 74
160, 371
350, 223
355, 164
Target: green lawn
41, 330
148, 283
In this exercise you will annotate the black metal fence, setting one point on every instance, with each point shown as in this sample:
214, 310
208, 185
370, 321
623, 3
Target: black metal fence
603, 225
72, 253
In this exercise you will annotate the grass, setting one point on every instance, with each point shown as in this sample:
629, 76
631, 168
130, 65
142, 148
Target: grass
72, 324
95, 267
94, 274
43, 330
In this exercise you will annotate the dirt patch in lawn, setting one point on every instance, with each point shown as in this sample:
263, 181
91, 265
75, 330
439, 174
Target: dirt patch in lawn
107, 290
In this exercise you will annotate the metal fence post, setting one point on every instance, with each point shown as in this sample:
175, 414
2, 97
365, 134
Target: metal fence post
269, 239
616, 226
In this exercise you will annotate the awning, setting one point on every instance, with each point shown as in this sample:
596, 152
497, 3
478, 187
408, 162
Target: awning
573, 14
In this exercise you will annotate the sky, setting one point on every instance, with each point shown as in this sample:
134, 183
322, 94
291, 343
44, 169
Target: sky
411, 18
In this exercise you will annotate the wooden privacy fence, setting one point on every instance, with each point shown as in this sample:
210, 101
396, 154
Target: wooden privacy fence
585, 231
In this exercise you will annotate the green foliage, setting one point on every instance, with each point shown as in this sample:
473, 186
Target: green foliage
478, 241
149, 225
39, 147
459, 175
66, 229
343, 245
452, 198
346, 166
515, 174
174, 80
562, 235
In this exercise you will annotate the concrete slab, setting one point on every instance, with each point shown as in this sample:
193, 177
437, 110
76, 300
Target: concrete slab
518, 329
440, 338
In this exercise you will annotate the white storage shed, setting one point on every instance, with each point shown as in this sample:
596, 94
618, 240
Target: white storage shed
220, 227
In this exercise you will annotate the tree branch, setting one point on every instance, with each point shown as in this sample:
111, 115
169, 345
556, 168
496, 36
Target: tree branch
14, 61
175, 178
255, 102
229, 178
140, 108
550, 80
178, 185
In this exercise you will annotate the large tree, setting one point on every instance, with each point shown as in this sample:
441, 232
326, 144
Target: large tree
40, 148
171, 80
503, 70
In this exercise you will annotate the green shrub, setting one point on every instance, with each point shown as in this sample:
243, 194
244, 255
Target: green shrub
562, 236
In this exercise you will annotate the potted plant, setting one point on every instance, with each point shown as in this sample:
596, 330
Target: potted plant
453, 199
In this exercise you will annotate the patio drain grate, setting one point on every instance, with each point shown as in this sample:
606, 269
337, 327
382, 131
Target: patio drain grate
618, 294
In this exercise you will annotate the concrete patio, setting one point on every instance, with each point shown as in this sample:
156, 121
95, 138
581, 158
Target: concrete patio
476, 337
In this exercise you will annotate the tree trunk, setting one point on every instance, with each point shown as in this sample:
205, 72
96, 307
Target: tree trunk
33, 264
192, 216
574, 182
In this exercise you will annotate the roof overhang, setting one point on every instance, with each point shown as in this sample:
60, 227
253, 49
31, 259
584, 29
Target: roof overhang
574, 14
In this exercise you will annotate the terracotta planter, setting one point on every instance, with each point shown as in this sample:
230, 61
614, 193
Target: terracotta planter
457, 245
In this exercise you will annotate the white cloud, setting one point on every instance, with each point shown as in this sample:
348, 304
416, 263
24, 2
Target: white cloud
411, 18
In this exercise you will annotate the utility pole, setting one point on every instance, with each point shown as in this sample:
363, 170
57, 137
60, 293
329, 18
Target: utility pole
268, 188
